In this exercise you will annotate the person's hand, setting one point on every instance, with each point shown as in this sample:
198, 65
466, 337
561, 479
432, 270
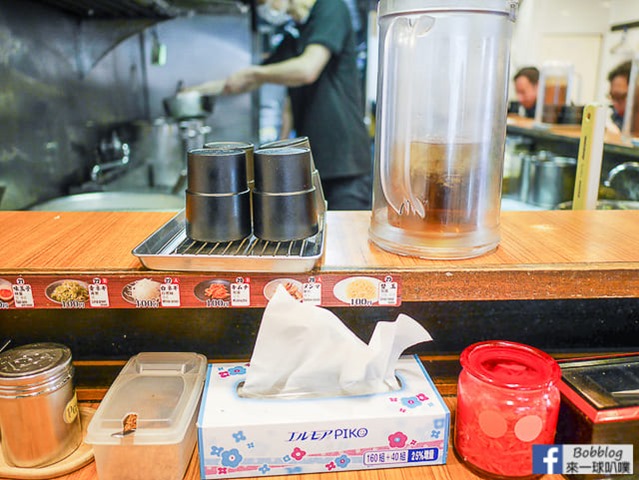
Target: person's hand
242, 81
213, 87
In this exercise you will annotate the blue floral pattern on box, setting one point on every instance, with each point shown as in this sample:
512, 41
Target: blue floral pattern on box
235, 450
231, 458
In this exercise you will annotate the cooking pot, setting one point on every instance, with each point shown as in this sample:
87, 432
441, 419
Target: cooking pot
112, 201
189, 104
164, 143
552, 181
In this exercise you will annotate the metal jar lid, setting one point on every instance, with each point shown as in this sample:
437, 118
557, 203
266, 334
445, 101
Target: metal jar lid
33, 369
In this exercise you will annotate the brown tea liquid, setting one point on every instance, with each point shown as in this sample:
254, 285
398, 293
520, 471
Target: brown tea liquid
555, 92
447, 180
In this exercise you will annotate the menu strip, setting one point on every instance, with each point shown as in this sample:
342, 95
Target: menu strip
153, 290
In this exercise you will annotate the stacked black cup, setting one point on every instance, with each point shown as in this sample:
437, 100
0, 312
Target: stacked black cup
218, 198
284, 206
246, 147
303, 142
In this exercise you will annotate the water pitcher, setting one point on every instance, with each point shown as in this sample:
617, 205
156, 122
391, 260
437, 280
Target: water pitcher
441, 125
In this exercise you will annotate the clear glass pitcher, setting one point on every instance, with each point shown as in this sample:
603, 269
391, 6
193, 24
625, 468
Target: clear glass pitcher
555, 90
630, 126
442, 92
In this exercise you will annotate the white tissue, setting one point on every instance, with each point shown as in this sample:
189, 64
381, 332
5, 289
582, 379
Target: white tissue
305, 350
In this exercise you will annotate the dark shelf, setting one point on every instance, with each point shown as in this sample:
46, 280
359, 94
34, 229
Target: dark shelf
140, 9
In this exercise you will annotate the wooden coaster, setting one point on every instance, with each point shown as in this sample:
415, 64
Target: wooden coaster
79, 458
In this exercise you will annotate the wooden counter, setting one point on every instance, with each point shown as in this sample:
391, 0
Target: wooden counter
453, 470
542, 254
563, 130
564, 140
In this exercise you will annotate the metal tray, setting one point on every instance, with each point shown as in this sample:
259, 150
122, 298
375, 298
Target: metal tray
168, 248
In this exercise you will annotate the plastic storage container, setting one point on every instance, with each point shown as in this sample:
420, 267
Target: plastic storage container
164, 390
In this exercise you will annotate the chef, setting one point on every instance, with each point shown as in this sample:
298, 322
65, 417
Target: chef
316, 60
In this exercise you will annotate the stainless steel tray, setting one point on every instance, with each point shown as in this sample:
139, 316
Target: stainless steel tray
169, 248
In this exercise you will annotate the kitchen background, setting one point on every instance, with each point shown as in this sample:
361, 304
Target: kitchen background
83, 82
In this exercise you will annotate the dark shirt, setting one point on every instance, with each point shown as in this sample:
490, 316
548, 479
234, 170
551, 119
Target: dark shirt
330, 111
616, 118
530, 112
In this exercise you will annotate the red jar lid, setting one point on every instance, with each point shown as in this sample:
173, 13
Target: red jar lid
510, 364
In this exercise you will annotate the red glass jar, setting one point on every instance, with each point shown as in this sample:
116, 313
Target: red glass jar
507, 401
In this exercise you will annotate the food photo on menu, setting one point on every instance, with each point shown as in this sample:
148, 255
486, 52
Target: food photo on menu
6, 292
214, 292
356, 290
142, 292
68, 291
292, 286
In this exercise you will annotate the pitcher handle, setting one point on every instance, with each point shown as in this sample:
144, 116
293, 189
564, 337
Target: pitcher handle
396, 35
399, 49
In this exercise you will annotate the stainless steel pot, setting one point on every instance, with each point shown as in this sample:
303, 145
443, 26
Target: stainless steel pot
190, 104
552, 181
163, 145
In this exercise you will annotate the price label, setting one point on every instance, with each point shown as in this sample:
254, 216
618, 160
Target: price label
170, 295
240, 294
388, 292
98, 295
23, 295
312, 293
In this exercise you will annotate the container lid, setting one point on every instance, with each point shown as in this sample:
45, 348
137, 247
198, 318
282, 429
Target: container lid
511, 365
606, 382
162, 388
387, 7
33, 364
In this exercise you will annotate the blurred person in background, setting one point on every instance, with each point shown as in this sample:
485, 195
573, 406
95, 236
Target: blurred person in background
526, 84
317, 62
619, 77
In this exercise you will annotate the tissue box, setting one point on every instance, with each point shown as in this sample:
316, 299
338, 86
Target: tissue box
249, 437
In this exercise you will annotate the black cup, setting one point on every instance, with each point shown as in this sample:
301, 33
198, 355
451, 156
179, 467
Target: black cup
248, 148
286, 216
216, 171
283, 170
297, 142
303, 142
218, 218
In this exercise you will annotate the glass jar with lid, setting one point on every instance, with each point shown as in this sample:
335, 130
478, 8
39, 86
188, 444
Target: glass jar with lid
507, 400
